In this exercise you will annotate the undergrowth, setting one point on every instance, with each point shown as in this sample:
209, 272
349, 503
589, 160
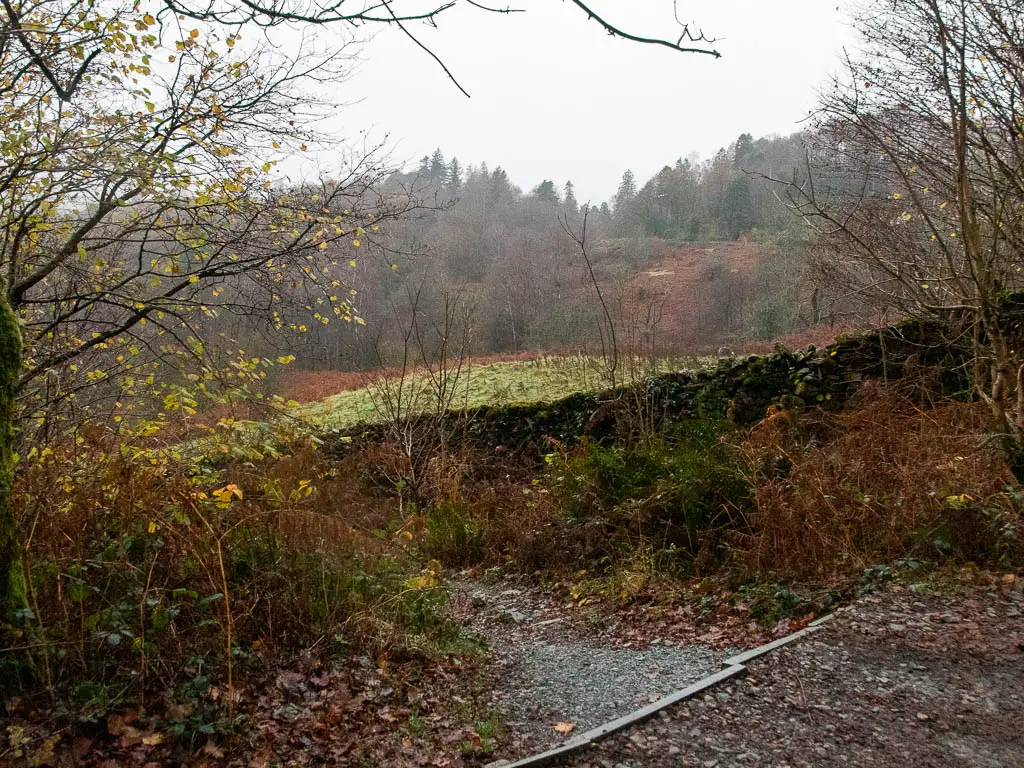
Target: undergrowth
160, 567
148, 570
805, 496
894, 475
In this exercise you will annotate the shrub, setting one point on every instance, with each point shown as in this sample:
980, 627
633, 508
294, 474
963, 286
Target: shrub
669, 490
894, 475
139, 559
454, 535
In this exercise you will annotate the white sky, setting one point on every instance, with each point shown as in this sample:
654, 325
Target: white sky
554, 97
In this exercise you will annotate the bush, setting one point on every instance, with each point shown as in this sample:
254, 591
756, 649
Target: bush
140, 560
454, 535
672, 491
892, 476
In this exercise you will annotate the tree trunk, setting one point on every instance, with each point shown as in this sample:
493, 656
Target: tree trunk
10, 369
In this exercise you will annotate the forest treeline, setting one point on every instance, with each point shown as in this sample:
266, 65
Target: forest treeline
506, 260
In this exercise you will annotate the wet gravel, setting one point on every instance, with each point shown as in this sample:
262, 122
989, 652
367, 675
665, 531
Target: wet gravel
550, 666
588, 685
900, 679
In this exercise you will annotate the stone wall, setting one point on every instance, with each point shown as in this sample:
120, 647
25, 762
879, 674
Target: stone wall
741, 390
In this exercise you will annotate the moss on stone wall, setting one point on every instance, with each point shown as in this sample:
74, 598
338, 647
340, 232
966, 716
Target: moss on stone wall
740, 389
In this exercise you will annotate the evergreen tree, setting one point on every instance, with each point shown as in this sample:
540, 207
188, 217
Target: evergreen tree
453, 178
500, 185
438, 170
742, 151
627, 189
546, 192
571, 204
737, 213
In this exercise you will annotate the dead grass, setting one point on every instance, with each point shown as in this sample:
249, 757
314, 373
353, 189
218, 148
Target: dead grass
137, 560
894, 475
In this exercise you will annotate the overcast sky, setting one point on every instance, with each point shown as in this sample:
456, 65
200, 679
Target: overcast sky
554, 97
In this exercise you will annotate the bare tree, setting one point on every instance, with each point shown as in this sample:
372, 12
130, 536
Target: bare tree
915, 183
405, 15
416, 399
607, 331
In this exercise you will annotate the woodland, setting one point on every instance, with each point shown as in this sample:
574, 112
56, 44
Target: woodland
354, 471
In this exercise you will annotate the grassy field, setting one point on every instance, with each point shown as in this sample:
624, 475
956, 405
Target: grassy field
502, 383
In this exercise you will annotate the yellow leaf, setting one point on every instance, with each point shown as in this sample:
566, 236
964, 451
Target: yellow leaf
355, 243
194, 34
148, 19
225, 494
426, 580
564, 728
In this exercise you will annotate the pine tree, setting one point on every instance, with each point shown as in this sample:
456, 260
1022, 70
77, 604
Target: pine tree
571, 205
742, 151
500, 185
438, 170
546, 192
627, 189
453, 178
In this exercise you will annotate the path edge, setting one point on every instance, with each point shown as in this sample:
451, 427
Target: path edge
733, 666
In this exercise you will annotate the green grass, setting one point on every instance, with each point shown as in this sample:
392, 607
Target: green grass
504, 383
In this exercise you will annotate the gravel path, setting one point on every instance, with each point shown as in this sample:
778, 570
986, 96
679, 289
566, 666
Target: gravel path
551, 667
899, 679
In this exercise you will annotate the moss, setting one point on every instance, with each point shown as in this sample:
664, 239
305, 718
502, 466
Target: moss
10, 370
740, 390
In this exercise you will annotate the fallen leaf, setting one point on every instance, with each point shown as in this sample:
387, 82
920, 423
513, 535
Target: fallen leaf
565, 728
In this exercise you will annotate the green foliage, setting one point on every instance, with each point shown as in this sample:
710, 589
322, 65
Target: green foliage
490, 729
10, 369
454, 535
986, 531
770, 603
175, 558
673, 489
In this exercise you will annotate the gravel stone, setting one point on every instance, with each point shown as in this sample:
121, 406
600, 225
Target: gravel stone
551, 667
